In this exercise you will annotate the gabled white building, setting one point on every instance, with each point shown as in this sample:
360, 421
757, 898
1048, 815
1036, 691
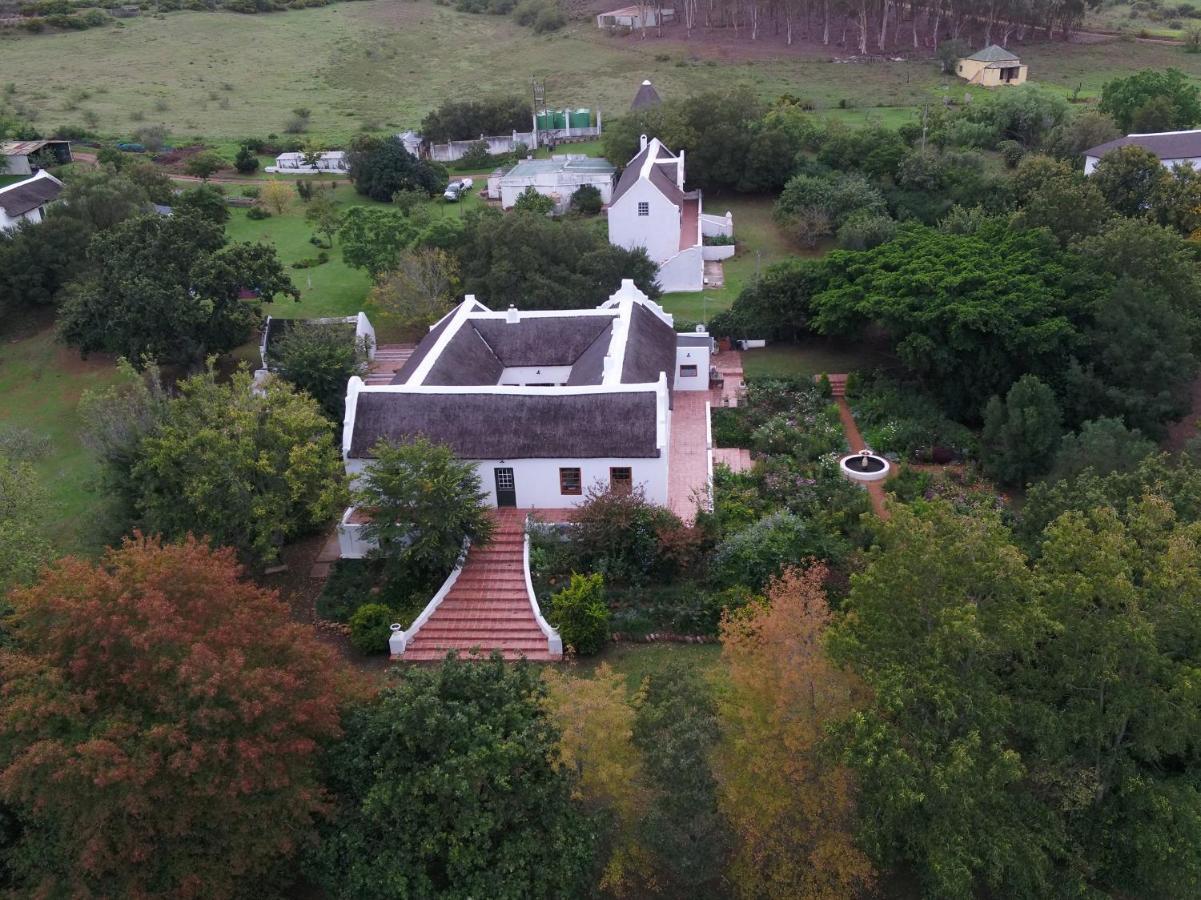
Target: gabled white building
1174, 148
547, 404
652, 210
26, 201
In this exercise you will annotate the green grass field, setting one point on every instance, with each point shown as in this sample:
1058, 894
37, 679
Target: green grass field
815, 356
41, 383
382, 64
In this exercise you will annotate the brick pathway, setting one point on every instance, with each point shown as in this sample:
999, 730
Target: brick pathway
875, 489
729, 365
488, 608
736, 459
688, 456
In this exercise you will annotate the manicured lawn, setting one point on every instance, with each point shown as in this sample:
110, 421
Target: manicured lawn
815, 356
332, 289
41, 382
6, 180
636, 661
760, 243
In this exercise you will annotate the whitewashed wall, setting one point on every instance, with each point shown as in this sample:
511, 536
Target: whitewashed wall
692, 356
683, 272
658, 232
1090, 163
537, 480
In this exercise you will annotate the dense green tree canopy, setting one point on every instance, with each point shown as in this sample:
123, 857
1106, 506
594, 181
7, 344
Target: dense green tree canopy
250, 469
1021, 432
445, 787
969, 313
319, 361
533, 262
379, 167
1165, 89
466, 120
169, 288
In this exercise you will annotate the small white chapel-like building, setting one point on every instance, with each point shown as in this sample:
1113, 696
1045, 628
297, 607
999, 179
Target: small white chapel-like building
652, 210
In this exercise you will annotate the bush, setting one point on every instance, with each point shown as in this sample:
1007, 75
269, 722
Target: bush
530, 200
550, 18
750, 558
579, 613
587, 200
245, 161
257, 213
370, 628
476, 157
617, 535
865, 230
731, 427
1012, 152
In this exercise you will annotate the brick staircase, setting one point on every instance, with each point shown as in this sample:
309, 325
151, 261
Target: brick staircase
387, 362
838, 385
487, 608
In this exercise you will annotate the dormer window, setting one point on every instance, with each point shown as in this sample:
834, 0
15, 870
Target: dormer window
644, 209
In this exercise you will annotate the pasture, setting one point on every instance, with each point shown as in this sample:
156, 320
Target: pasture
381, 65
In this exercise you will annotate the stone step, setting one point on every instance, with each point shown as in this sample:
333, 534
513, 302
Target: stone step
444, 644
484, 607
436, 655
484, 635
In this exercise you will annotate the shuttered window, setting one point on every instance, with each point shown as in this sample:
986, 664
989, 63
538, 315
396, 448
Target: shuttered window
570, 481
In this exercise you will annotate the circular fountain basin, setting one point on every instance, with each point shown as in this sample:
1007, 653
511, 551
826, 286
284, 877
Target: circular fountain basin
864, 466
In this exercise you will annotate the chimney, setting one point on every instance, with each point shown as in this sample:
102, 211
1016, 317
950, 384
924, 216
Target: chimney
642, 142
512, 316
680, 172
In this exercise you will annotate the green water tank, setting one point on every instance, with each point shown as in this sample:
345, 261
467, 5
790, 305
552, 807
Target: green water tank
581, 118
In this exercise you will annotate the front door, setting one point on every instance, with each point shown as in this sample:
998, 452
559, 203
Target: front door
506, 488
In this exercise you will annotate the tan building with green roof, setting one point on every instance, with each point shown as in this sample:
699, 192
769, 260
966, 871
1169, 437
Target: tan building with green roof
991, 67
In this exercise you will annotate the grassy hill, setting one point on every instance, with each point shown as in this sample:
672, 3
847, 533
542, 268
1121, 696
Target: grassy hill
382, 64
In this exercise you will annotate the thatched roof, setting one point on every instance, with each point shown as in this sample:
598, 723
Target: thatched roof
658, 177
646, 96
1165, 144
650, 349
466, 360
511, 426
590, 367
25, 196
541, 340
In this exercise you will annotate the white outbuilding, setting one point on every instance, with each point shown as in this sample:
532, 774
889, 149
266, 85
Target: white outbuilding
1174, 148
558, 178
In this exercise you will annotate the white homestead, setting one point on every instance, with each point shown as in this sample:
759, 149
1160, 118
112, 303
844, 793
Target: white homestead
650, 209
558, 178
547, 404
1174, 148
26, 201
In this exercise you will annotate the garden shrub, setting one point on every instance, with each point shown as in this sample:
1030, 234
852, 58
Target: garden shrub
753, 556
587, 200
370, 628
257, 212
900, 420
349, 582
617, 535
476, 156
580, 614
909, 484
731, 427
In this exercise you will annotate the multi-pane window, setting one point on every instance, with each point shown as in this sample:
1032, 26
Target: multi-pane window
570, 481
644, 209
621, 479
688, 371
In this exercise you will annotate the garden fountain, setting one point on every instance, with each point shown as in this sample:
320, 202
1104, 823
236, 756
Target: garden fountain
864, 466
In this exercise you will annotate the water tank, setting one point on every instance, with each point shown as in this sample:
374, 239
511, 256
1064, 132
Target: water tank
581, 118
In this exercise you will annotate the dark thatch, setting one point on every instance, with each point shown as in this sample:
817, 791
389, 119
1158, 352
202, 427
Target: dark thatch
26, 196
465, 361
511, 426
541, 340
590, 367
646, 96
1170, 145
650, 349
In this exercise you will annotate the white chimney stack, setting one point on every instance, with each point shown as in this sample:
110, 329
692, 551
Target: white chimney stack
642, 142
680, 172
512, 316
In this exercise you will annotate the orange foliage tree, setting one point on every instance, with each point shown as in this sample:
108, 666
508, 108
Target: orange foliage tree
790, 805
159, 722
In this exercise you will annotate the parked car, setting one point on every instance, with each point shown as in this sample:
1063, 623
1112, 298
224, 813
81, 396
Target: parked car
455, 190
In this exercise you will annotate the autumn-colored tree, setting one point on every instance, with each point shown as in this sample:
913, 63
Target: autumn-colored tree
789, 804
277, 196
596, 721
159, 725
